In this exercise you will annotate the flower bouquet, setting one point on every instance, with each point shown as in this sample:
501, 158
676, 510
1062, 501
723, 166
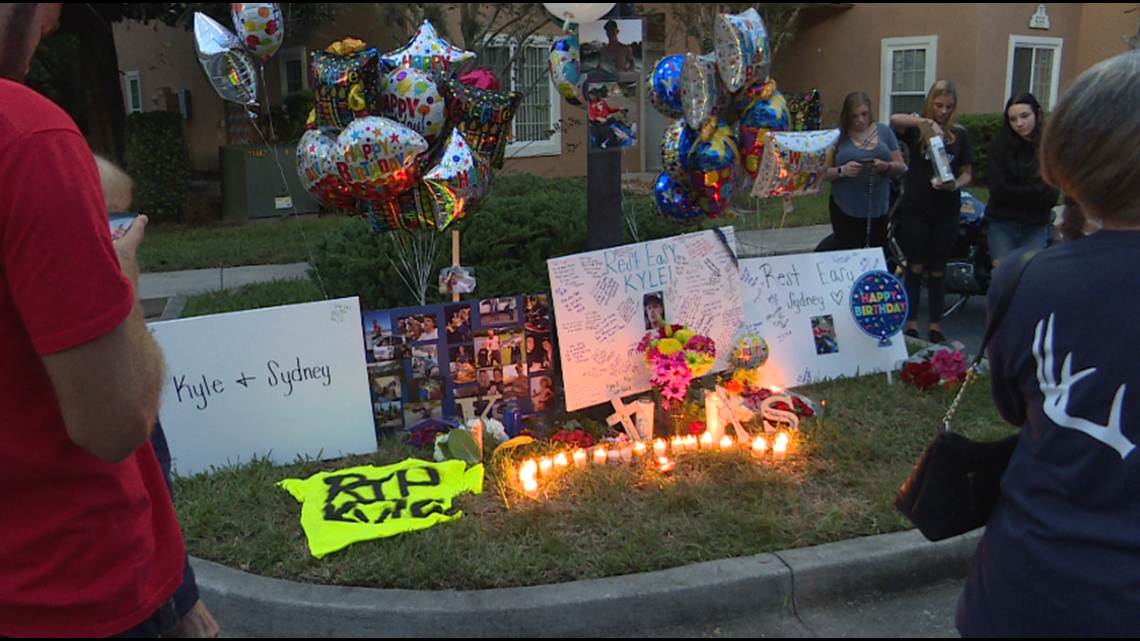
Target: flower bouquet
675, 355
935, 366
746, 398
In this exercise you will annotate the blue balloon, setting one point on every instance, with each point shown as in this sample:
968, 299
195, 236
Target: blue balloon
675, 202
715, 172
664, 86
879, 304
676, 143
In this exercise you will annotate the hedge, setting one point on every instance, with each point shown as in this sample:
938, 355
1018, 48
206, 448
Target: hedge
157, 158
982, 129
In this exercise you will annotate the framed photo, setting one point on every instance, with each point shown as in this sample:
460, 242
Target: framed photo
614, 111
613, 46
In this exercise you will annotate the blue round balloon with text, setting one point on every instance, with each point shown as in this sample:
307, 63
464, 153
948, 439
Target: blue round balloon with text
879, 304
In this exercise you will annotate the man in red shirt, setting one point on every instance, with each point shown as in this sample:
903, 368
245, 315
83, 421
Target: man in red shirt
89, 544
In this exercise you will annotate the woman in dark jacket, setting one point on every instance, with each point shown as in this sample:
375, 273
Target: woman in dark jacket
1018, 213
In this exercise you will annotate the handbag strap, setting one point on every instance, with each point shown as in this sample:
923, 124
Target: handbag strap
1000, 309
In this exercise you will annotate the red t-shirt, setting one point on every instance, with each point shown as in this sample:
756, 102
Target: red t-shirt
87, 548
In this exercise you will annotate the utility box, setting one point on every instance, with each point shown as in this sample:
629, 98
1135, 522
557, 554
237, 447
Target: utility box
252, 185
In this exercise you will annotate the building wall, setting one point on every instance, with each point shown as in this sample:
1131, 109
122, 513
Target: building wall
1104, 26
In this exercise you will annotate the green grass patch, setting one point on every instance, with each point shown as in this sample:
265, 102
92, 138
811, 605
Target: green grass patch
256, 296
837, 483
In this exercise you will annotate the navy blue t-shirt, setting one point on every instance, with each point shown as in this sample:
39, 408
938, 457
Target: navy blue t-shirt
1061, 552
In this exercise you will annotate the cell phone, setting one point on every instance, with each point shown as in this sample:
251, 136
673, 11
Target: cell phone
120, 223
868, 162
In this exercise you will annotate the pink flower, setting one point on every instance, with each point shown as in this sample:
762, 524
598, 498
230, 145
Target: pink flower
950, 365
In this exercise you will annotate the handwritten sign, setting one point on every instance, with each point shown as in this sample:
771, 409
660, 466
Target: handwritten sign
799, 305
606, 300
281, 382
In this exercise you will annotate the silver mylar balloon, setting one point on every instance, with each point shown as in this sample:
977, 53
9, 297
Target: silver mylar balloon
227, 66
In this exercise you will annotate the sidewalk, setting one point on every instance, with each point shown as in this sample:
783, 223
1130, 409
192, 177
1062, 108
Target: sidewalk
894, 585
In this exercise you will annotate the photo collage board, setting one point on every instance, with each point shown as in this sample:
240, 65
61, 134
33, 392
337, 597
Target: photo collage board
452, 360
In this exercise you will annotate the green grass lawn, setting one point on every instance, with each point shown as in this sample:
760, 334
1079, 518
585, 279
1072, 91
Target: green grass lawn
838, 482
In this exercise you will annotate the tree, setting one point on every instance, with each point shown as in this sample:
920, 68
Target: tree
693, 23
98, 106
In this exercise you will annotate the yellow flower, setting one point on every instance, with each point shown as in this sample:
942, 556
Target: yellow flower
669, 346
699, 364
746, 376
684, 335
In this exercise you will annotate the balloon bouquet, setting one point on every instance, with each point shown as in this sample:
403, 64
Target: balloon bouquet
729, 114
394, 137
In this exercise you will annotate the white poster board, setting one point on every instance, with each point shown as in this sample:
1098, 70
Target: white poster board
281, 382
800, 305
602, 303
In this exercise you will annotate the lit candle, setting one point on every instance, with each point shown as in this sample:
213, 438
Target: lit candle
627, 453
579, 458
530, 486
706, 440
759, 446
613, 456
726, 443
561, 461
545, 465
639, 449
599, 455
712, 416
659, 448
677, 443
690, 442
528, 469
665, 465
780, 447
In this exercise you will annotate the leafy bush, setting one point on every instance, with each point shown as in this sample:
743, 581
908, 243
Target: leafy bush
526, 220
291, 117
158, 159
983, 128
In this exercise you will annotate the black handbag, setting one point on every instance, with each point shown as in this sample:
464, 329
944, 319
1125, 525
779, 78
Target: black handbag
956, 482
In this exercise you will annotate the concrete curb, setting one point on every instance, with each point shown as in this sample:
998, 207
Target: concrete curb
771, 585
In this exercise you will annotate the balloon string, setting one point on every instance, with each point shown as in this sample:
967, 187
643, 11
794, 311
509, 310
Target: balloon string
285, 182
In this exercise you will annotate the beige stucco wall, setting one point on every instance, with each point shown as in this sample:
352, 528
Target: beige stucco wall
1104, 26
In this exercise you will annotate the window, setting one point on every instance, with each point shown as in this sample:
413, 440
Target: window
535, 130
134, 93
1034, 66
908, 68
294, 71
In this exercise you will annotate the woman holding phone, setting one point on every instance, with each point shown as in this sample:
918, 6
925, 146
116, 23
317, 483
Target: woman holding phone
867, 156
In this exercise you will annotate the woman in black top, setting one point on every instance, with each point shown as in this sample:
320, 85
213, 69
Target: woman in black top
1018, 213
928, 223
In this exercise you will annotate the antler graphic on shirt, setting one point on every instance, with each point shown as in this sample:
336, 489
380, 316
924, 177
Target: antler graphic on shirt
1057, 394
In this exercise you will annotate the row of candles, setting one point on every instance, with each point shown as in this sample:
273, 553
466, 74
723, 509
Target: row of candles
601, 455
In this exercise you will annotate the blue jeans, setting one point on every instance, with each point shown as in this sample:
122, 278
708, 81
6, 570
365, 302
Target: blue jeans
1007, 236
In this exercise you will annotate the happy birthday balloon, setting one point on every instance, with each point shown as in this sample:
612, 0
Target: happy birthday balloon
428, 52
794, 163
483, 117
702, 91
758, 119
807, 111
409, 210
742, 49
750, 352
664, 86
458, 182
227, 67
317, 172
714, 170
411, 98
377, 157
346, 87
676, 143
879, 304
260, 27
675, 202
566, 69
578, 12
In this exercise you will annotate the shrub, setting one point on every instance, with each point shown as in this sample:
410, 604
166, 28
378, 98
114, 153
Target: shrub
982, 129
158, 159
526, 220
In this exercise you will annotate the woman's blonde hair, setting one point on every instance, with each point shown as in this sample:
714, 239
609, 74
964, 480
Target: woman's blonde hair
942, 88
1089, 149
118, 188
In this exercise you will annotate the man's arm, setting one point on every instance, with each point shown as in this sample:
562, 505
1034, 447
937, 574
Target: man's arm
108, 388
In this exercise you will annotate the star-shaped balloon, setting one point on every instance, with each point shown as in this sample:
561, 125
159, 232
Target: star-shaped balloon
428, 52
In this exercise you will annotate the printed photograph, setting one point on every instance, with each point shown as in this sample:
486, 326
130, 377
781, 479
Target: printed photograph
613, 113
542, 393
462, 364
490, 381
418, 328
425, 361
499, 311
458, 327
514, 382
612, 46
488, 348
537, 313
387, 406
539, 353
511, 346
378, 339
416, 412
422, 390
823, 330
653, 308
